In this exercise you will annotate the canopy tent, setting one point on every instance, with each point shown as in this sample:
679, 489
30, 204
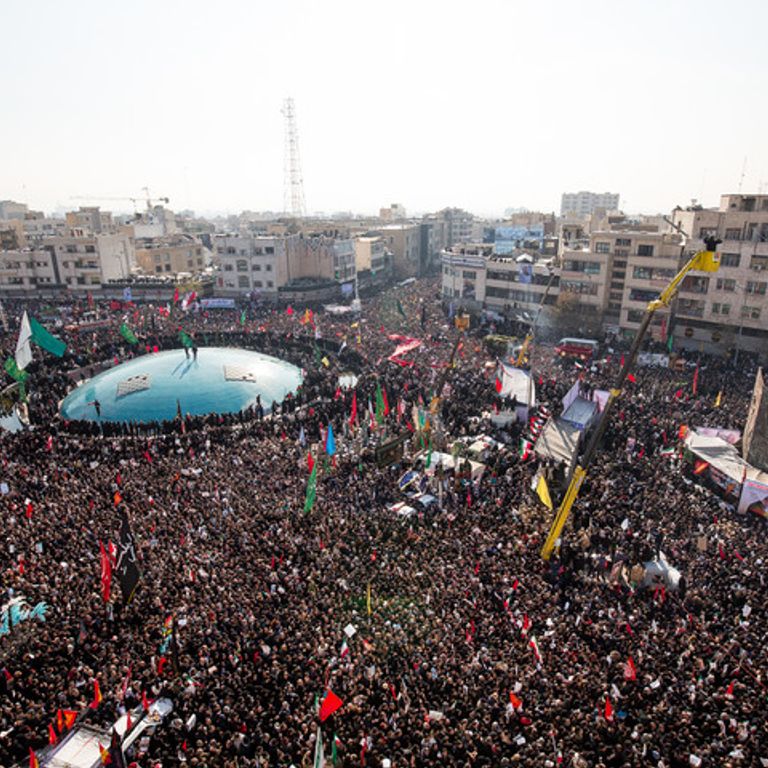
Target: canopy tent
560, 441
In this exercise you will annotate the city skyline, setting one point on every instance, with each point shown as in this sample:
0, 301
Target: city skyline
423, 105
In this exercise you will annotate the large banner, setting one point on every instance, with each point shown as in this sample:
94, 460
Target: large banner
756, 429
754, 498
731, 436
217, 303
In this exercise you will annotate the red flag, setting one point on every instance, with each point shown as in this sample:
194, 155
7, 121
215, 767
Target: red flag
338, 393
630, 673
289, 311
621, 362
330, 704
678, 394
514, 701
106, 573
69, 718
695, 380
310, 462
59, 720
386, 401
33, 761
176, 296
97, 697
148, 457
729, 690
51, 734
28, 509
128, 721
353, 412
608, 710
117, 498
699, 467
49, 443
631, 377
144, 701
498, 385
106, 758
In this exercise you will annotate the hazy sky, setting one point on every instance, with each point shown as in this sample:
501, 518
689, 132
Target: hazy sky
484, 105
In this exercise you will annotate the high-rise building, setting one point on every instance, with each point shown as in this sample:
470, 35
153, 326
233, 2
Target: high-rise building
585, 203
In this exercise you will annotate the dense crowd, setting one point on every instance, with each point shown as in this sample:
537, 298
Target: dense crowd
469, 649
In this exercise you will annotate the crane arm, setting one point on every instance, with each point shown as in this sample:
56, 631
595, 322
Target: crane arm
705, 261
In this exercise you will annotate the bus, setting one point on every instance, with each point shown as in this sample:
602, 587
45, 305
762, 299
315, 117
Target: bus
581, 348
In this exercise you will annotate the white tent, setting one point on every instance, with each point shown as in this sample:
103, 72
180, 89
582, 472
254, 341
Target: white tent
560, 441
517, 383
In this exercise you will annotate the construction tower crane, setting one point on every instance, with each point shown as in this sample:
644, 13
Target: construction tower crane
147, 199
705, 261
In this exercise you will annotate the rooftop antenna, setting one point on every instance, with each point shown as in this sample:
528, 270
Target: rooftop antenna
743, 173
293, 190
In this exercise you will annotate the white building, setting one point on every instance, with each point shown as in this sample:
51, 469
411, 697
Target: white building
584, 203
250, 263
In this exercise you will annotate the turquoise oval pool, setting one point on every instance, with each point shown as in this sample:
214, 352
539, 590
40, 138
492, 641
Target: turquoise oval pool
147, 388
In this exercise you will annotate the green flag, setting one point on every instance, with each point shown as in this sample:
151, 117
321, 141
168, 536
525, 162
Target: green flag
242, 317
428, 462
43, 339
334, 756
14, 371
379, 404
319, 761
309, 501
186, 339
128, 334
401, 310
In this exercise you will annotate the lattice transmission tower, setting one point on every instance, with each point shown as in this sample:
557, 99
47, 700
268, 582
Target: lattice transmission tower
293, 192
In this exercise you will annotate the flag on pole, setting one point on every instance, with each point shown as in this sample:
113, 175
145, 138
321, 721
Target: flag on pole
43, 339
128, 334
386, 402
525, 449
695, 380
428, 462
542, 491
335, 743
52, 739
353, 411
127, 566
309, 500
630, 673
330, 704
608, 712
515, 701
33, 761
23, 347
344, 648
106, 573
97, 697
242, 317
319, 761
379, 404
330, 442
498, 385
400, 310
13, 370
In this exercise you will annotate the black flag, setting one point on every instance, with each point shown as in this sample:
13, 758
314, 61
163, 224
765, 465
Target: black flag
116, 757
127, 567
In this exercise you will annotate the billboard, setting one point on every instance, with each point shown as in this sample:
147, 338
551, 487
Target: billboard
754, 498
510, 238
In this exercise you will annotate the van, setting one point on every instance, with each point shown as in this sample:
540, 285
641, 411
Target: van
581, 348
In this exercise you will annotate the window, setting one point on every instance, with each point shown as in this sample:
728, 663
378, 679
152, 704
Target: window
257, 251
270, 284
758, 262
158, 268
750, 313
642, 273
587, 267
733, 234
167, 267
469, 274
645, 250
269, 250
638, 294
621, 252
257, 283
227, 267
257, 267
268, 267
602, 247
635, 315
623, 242
90, 249
756, 288
242, 265
707, 232
725, 285
721, 309
243, 281
694, 284
231, 251
730, 259
691, 307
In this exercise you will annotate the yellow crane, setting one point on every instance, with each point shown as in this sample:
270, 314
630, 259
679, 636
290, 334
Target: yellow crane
704, 261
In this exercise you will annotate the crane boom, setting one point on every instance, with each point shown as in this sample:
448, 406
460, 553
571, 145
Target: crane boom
705, 261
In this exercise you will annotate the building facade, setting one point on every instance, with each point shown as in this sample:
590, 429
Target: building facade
250, 264
404, 242
171, 254
585, 203
729, 308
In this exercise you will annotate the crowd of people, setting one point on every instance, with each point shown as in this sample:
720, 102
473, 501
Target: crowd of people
462, 646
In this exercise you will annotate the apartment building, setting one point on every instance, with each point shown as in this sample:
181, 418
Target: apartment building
727, 309
171, 254
585, 203
250, 264
373, 262
74, 262
91, 219
404, 242
475, 277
